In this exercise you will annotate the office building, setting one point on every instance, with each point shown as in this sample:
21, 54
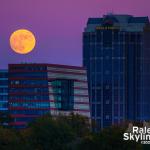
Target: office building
116, 54
38, 89
3, 91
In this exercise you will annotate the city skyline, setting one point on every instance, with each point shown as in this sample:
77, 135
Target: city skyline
58, 26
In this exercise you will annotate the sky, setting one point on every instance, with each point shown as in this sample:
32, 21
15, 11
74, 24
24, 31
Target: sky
57, 26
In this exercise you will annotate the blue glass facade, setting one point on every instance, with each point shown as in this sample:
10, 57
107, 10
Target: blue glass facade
113, 54
3, 90
145, 68
28, 93
38, 89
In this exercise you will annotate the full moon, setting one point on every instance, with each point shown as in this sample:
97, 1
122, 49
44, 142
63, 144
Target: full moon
22, 41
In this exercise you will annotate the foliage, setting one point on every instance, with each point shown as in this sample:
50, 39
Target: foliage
109, 139
9, 139
79, 124
65, 133
49, 134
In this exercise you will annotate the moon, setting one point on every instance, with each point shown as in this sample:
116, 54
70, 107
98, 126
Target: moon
22, 41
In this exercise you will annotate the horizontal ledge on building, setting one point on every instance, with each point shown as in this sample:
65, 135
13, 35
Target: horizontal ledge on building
23, 108
41, 101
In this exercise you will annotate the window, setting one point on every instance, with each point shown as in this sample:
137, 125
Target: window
116, 51
93, 65
65, 99
121, 110
107, 102
121, 37
98, 65
93, 110
98, 113
98, 50
116, 36
107, 38
86, 38
132, 37
116, 110
107, 117
116, 67
93, 95
3, 75
3, 82
107, 72
107, 87
93, 38
99, 37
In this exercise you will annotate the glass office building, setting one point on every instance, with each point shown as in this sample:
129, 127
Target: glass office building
38, 89
3, 91
115, 54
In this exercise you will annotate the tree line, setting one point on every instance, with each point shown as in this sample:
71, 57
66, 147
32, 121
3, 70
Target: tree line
71, 132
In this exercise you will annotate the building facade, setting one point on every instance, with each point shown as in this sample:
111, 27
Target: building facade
38, 89
3, 91
116, 56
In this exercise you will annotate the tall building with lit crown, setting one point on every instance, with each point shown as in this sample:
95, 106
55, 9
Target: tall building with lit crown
116, 54
38, 89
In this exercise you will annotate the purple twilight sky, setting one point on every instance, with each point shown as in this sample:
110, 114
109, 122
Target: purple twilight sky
57, 25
